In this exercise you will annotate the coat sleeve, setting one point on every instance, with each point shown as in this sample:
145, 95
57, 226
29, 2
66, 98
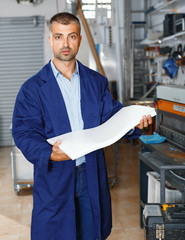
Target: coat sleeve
110, 107
28, 128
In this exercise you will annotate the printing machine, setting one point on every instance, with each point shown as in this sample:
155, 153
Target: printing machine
167, 158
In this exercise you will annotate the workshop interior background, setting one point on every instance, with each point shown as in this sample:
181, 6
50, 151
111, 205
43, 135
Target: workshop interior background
141, 48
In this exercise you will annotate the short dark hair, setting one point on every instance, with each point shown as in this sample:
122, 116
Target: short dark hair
65, 18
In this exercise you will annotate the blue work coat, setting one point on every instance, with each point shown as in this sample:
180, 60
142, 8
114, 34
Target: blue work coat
40, 113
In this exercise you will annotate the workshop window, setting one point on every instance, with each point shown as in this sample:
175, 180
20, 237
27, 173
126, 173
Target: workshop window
90, 8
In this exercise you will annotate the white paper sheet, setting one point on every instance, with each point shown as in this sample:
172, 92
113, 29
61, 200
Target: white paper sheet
79, 143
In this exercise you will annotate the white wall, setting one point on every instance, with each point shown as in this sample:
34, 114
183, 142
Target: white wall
10, 8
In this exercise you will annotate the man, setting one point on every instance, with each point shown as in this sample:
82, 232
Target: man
71, 199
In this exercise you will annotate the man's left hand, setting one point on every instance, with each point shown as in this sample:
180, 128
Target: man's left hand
144, 122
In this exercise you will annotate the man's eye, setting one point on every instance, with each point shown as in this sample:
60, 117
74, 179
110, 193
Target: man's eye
73, 37
57, 37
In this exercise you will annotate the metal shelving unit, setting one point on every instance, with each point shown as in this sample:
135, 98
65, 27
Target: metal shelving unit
156, 23
138, 69
158, 8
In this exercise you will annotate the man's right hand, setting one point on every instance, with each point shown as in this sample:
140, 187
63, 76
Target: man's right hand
57, 154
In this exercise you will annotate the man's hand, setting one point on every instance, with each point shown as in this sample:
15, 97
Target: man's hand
57, 154
144, 122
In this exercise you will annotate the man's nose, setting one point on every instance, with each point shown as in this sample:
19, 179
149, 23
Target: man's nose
66, 42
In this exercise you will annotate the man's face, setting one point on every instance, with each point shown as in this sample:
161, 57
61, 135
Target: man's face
65, 41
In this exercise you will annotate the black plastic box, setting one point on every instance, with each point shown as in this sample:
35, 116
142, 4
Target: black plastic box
168, 224
171, 23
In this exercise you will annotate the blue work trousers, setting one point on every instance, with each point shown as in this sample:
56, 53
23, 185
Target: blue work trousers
84, 217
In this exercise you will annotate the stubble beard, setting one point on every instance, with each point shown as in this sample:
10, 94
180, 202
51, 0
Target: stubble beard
67, 57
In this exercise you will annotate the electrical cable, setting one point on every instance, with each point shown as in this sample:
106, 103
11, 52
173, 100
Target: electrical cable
177, 175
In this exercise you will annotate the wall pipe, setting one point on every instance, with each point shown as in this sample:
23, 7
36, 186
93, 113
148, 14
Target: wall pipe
119, 59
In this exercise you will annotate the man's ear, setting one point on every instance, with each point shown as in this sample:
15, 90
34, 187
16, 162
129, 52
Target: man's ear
80, 39
50, 40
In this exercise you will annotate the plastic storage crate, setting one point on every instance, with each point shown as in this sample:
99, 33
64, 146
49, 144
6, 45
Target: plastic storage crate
172, 195
22, 170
